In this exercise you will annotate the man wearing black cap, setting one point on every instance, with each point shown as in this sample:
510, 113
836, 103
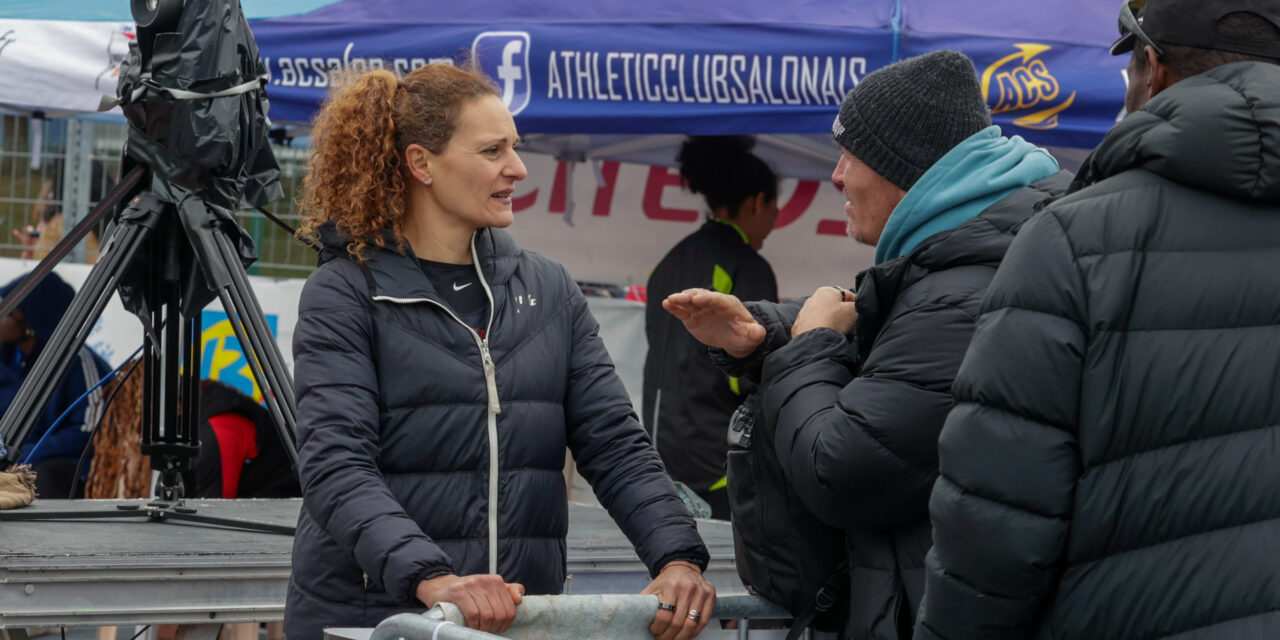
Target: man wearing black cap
854, 412
1110, 468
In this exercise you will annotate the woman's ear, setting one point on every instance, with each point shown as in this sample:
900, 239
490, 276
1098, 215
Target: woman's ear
418, 160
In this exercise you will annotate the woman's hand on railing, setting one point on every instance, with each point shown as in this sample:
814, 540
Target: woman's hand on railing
686, 601
487, 601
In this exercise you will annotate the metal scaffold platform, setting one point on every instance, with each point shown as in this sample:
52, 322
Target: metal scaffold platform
131, 571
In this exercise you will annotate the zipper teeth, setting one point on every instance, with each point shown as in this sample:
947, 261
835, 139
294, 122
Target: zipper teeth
475, 260
491, 383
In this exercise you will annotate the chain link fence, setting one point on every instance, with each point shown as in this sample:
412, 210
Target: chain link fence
52, 173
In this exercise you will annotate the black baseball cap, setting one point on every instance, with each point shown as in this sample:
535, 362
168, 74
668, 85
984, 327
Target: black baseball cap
1193, 23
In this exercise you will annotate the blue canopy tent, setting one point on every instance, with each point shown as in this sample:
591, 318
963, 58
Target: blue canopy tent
626, 80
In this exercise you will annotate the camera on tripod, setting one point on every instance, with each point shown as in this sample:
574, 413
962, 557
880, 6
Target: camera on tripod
193, 91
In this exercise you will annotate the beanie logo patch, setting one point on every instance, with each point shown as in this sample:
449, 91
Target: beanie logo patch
1022, 82
837, 127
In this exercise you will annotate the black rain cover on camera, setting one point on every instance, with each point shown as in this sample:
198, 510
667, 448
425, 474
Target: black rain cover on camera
197, 112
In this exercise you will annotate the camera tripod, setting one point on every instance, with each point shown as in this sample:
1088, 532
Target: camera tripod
175, 246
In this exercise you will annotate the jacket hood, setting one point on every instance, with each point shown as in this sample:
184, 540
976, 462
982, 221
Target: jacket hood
396, 274
44, 306
982, 240
1218, 131
333, 242
972, 176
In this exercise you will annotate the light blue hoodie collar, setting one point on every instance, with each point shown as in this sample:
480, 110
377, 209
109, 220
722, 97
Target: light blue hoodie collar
974, 175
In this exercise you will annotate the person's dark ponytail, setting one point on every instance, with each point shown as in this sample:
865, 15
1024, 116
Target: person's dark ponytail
725, 172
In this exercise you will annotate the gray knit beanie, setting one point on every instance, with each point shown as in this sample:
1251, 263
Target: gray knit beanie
903, 118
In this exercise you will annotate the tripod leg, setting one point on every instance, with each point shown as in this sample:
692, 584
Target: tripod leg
269, 347
253, 312
69, 240
171, 438
61, 349
285, 425
261, 344
233, 523
191, 379
263, 353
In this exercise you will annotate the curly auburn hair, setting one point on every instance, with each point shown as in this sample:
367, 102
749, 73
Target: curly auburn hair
356, 177
119, 470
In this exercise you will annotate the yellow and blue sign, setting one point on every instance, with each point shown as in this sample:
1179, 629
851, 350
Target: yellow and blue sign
1062, 91
223, 358
1022, 85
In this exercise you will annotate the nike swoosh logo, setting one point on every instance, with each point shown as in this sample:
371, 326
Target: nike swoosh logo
457, 288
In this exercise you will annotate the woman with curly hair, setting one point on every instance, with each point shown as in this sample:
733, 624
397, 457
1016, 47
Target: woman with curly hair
440, 373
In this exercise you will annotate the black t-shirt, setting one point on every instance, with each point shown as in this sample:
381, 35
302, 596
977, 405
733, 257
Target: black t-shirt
458, 285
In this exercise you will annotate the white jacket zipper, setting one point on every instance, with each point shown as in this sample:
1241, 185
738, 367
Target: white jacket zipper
491, 388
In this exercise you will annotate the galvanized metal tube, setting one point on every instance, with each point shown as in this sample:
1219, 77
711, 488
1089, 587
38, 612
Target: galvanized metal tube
614, 616
408, 626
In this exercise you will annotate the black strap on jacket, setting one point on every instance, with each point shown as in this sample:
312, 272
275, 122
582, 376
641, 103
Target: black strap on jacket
836, 590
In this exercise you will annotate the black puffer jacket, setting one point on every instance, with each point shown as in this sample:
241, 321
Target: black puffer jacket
1110, 470
397, 446
856, 422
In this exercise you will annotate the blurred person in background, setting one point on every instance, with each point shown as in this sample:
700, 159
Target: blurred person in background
241, 454
52, 447
687, 399
41, 236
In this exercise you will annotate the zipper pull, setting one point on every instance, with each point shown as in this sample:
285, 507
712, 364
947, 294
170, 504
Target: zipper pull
490, 377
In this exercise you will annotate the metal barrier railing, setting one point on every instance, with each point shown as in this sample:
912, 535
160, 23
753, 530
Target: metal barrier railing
619, 617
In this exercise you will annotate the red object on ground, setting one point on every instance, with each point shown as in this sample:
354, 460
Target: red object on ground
237, 441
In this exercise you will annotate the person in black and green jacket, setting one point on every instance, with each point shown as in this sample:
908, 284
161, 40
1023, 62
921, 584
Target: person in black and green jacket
687, 400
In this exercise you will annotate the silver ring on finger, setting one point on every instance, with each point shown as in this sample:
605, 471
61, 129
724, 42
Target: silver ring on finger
666, 606
694, 614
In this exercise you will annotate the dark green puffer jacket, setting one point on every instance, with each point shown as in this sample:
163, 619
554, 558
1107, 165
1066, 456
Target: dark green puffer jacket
1112, 467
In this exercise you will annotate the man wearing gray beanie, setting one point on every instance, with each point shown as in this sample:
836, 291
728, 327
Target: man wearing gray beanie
854, 388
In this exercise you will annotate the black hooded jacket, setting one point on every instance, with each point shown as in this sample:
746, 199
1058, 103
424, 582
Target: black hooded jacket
855, 421
687, 399
1110, 469
403, 413
53, 436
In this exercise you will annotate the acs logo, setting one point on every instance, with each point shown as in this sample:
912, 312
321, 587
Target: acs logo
1023, 83
504, 56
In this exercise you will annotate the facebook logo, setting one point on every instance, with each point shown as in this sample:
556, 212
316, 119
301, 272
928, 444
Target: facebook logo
504, 56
